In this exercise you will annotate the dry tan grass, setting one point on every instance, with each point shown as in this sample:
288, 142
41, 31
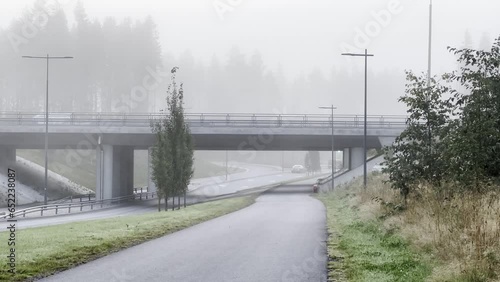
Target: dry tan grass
461, 231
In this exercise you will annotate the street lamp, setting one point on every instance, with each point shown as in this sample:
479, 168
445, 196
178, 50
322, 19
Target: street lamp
429, 59
333, 146
366, 55
46, 116
226, 165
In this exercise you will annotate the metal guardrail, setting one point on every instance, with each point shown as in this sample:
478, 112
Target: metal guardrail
201, 119
81, 197
81, 204
328, 178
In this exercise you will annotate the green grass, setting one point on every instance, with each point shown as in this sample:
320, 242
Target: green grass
46, 250
364, 251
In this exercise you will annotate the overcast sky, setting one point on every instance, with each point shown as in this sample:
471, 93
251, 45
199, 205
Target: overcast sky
303, 34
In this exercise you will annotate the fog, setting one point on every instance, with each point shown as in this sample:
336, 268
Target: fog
253, 56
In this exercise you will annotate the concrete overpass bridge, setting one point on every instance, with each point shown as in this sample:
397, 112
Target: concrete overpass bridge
115, 136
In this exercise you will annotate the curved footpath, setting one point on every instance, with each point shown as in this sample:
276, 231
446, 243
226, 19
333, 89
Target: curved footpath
279, 238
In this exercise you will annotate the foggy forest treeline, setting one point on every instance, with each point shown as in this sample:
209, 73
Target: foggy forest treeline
119, 66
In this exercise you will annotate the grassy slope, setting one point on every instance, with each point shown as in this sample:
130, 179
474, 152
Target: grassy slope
46, 250
81, 171
363, 250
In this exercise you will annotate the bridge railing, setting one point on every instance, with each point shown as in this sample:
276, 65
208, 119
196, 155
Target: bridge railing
201, 119
68, 206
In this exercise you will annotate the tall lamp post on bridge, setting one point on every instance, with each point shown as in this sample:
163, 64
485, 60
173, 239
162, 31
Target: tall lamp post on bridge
333, 145
46, 117
366, 55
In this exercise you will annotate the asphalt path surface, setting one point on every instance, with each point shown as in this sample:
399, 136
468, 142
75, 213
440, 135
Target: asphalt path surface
279, 238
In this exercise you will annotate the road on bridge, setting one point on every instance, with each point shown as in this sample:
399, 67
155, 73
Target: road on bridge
279, 238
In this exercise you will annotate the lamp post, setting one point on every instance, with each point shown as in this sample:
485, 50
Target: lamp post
333, 145
226, 165
429, 59
46, 117
366, 55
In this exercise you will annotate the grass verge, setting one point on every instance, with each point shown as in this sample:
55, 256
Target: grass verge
46, 250
360, 248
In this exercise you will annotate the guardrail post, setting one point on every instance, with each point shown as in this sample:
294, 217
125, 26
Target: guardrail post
89, 197
41, 211
69, 208
81, 206
91, 206
24, 213
56, 209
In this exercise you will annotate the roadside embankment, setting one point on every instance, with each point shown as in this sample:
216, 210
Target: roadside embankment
375, 236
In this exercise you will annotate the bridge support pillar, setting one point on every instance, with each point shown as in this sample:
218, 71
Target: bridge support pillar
115, 171
99, 195
7, 157
346, 156
386, 141
356, 157
151, 184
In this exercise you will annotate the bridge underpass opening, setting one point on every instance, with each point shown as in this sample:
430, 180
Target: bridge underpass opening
290, 189
122, 168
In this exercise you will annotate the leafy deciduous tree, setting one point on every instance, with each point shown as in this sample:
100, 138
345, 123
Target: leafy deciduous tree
172, 155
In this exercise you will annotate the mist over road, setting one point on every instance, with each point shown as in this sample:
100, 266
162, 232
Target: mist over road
254, 176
